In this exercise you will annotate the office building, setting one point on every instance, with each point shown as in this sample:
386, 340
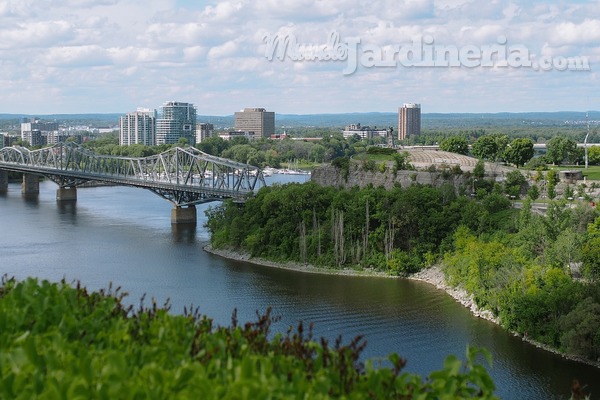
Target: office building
36, 132
256, 120
138, 127
409, 120
177, 120
363, 132
204, 131
250, 135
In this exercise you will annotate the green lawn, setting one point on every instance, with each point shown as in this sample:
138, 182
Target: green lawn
373, 157
591, 173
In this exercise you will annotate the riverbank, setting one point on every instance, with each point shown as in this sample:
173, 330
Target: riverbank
432, 275
292, 266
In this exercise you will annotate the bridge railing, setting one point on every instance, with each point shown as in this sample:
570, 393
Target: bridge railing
183, 167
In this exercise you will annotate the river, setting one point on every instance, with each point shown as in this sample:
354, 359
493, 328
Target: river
123, 236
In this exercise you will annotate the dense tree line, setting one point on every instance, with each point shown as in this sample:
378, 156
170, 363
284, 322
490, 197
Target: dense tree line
371, 227
539, 274
262, 152
542, 278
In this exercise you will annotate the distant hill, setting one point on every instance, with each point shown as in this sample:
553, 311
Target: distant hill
429, 120
373, 119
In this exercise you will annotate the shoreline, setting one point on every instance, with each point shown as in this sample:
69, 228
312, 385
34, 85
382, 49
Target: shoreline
432, 275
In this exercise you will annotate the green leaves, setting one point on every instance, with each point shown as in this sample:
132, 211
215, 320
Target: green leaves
87, 346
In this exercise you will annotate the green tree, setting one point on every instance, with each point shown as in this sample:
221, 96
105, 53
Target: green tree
590, 255
514, 183
519, 151
479, 170
594, 155
485, 148
581, 330
455, 144
561, 149
213, 146
534, 192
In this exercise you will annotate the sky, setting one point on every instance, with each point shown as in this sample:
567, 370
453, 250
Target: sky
113, 56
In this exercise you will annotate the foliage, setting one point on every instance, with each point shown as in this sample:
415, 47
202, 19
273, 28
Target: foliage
514, 183
479, 170
519, 151
343, 164
57, 341
455, 144
490, 147
534, 192
561, 149
401, 162
360, 227
594, 155
590, 255
524, 275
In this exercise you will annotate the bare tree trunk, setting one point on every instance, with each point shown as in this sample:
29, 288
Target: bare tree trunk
337, 231
302, 228
317, 231
366, 231
389, 239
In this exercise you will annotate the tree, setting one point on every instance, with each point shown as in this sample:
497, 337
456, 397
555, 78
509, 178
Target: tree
514, 183
479, 170
519, 151
594, 155
560, 149
455, 144
590, 255
213, 146
485, 148
533, 193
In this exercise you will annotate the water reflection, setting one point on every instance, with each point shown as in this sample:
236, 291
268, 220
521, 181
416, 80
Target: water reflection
184, 233
67, 207
32, 200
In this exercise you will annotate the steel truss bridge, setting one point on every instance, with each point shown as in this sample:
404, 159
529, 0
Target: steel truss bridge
184, 176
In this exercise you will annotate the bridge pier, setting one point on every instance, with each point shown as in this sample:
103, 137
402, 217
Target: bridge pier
66, 193
3, 181
30, 185
180, 215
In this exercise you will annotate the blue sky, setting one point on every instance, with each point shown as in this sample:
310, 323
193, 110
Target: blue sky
74, 56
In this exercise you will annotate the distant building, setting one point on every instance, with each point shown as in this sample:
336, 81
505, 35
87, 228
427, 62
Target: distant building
177, 120
409, 120
204, 131
233, 134
256, 120
364, 132
138, 127
279, 136
36, 132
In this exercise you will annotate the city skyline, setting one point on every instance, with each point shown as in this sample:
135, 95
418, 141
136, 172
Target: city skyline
109, 56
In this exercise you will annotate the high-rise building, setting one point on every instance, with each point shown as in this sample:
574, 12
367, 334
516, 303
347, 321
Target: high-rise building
256, 120
36, 132
204, 130
177, 120
138, 127
409, 120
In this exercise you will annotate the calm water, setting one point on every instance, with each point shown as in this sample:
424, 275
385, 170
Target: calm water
124, 236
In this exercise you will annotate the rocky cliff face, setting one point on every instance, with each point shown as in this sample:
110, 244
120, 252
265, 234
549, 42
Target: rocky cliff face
328, 175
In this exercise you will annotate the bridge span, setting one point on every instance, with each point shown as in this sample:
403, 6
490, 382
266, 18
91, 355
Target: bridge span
183, 176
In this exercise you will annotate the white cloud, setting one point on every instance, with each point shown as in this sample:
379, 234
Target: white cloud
142, 52
77, 56
35, 34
